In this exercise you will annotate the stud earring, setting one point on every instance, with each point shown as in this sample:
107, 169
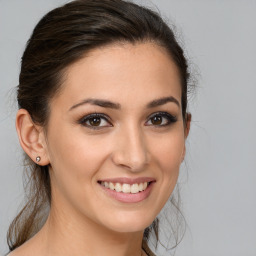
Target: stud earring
38, 158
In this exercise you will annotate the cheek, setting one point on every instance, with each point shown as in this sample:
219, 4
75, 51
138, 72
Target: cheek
75, 163
168, 155
76, 160
75, 156
166, 152
169, 151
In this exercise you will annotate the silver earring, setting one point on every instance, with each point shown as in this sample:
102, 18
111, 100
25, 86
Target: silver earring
38, 158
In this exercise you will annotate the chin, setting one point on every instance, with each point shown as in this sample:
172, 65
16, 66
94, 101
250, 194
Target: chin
127, 223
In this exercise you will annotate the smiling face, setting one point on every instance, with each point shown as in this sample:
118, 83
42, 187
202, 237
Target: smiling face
115, 137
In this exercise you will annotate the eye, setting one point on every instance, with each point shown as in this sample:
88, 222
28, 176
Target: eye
161, 119
95, 121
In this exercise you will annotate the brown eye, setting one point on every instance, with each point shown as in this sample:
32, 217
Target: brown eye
156, 120
161, 119
94, 121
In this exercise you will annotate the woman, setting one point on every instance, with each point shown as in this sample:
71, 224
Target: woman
103, 120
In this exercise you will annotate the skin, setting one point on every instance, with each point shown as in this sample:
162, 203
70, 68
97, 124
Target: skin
84, 220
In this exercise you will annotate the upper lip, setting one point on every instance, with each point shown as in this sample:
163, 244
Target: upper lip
125, 180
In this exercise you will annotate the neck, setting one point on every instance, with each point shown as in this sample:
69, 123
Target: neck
62, 235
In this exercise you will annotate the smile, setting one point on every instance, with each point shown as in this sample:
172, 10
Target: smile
128, 190
125, 188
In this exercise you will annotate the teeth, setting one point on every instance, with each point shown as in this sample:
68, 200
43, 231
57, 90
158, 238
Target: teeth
134, 188
125, 188
118, 187
111, 186
106, 184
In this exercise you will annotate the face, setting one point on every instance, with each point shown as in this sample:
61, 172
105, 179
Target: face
115, 137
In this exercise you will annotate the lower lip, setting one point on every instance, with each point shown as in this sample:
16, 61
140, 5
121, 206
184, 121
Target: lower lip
129, 197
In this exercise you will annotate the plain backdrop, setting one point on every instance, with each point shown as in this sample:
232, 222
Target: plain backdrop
218, 180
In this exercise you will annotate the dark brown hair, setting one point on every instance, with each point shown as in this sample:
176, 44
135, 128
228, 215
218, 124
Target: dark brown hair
62, 37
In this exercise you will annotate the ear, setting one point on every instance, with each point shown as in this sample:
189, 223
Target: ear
31, 137
187, 124
186, 132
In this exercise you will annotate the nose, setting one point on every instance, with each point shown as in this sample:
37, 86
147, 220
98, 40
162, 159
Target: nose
130, 150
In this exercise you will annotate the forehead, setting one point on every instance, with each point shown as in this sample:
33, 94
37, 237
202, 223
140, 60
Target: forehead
123, 72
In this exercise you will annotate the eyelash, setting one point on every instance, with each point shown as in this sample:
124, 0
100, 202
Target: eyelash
95, 115
169, 120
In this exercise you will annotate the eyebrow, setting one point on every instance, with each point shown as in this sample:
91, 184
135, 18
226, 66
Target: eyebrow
98, 102
113, 105
162, 101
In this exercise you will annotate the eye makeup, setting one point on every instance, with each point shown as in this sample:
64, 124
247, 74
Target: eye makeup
99, 121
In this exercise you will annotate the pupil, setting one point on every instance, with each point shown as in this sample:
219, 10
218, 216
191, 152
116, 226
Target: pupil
157, 120
94, 121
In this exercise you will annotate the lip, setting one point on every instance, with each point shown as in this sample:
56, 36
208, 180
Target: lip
129, 197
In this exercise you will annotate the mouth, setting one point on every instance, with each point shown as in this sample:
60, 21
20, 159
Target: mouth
125, 187
127, 190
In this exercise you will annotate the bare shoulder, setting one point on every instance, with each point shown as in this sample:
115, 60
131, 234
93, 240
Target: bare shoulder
19, 252
27, 249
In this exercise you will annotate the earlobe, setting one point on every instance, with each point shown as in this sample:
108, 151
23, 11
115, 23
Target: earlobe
31, 137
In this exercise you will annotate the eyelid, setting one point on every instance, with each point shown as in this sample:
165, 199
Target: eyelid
85, 118
171, 118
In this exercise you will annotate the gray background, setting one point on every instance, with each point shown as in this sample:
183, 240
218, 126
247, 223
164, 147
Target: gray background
218, 184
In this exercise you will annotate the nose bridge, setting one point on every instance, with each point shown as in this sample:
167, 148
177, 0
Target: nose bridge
131, 149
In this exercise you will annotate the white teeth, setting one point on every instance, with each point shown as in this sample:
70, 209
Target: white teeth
125, 188
141, 186
111, 186
118, 187
134, 188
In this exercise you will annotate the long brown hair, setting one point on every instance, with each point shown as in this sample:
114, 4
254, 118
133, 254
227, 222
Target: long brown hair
62, 37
